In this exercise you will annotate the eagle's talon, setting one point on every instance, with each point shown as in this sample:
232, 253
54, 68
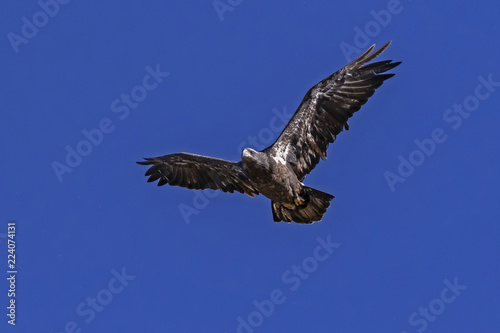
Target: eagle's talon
299, 201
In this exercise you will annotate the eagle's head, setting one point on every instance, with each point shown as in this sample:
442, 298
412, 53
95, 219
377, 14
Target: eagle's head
255, 158
248, 153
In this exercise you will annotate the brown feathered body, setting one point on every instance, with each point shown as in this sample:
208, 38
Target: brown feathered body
278, 171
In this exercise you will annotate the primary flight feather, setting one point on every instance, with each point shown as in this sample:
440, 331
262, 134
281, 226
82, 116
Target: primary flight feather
279, 170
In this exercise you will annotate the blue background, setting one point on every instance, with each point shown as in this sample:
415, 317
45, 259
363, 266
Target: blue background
227, 73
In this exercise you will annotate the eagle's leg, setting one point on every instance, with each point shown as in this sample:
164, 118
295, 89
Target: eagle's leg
299, 201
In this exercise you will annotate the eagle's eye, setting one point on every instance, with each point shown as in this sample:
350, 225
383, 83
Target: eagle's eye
247, 152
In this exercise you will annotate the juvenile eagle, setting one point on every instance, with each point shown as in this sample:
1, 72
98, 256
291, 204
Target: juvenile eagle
279, 170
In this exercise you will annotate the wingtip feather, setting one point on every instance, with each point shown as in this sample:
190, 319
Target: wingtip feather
368, 55
147, 161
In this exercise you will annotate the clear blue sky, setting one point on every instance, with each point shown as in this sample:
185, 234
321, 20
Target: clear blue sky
410, 243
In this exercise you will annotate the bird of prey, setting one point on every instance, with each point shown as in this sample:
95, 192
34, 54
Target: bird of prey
279, 170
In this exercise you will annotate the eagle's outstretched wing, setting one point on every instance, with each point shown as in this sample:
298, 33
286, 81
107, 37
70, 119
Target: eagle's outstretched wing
325, 109
199, 172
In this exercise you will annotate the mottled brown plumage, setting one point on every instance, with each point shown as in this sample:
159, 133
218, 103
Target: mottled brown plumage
278, 171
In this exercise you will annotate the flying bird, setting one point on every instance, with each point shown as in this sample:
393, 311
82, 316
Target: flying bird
278, 171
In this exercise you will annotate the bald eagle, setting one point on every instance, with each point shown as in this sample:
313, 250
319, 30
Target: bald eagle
279, 170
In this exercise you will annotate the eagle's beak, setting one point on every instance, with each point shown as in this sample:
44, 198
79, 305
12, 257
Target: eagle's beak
247, 153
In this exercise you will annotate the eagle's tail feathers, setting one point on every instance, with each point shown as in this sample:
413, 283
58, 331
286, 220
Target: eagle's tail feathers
317, 202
